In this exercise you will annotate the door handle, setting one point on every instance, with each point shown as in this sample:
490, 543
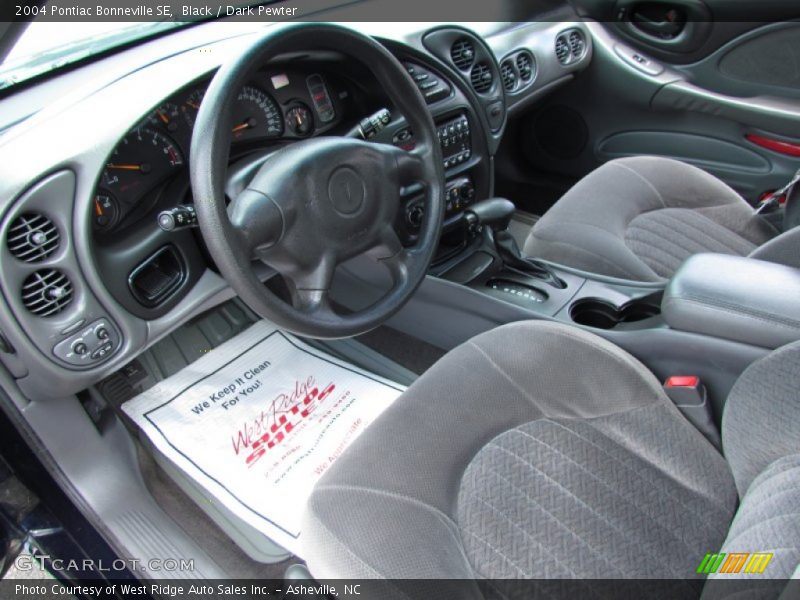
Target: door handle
668, 28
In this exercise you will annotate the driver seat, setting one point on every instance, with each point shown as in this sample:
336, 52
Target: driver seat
539, 451
639, 218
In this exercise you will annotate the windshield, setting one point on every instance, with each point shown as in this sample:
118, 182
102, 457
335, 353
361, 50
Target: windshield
45, 46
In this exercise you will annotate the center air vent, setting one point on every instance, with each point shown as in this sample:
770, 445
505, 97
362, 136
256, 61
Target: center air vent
525, 66
32, 237
462, 53
481, 78
517, 71
570, 46
46, 292
508, 74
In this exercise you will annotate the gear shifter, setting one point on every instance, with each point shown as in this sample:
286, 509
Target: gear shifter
496, 213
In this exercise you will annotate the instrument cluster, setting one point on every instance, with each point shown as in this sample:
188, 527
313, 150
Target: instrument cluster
275, 106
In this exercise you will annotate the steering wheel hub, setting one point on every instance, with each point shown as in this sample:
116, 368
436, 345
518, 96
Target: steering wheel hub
346, 190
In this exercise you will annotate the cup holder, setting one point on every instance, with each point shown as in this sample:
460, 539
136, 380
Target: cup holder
600, 314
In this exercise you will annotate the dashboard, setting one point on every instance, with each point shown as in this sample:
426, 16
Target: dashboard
91, 278
277, 105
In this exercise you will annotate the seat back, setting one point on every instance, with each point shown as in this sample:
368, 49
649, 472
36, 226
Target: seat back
761, 441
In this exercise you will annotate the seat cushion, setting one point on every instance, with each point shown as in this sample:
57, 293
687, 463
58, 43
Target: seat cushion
761, 422
592, 498
407, 499
639, 218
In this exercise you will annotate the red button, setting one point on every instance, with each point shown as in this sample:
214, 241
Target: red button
689, 381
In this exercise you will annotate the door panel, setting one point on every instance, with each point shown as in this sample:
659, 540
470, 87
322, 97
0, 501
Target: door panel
631, 102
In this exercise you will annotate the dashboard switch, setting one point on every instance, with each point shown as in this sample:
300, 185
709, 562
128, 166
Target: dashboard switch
89, 345
180, 217
370, 126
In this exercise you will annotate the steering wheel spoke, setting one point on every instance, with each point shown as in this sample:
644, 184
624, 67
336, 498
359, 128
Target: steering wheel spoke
310, 288
257, 220
411, 166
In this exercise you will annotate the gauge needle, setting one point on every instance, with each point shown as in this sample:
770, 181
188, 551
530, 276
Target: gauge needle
144, 167
98, 208
193, 105
164, 118
251, 122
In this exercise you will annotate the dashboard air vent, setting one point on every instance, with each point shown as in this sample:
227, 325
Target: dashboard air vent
46, 292
525, 66
570, 46
577, 44
462, 53
481, 78
508, 75
563, 53
32, 237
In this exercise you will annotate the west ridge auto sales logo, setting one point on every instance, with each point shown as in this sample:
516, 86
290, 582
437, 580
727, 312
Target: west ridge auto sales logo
280, 417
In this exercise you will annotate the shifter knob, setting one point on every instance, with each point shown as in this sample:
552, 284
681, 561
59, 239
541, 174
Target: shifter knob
495, 213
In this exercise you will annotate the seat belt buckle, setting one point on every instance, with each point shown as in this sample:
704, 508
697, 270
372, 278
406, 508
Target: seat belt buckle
689, 394
773, 201
685, 390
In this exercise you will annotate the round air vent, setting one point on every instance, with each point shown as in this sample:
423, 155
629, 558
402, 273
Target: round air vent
46, 292
32, 237
481, 78
525, 66
462, 53
577, 44
563, 53
570, 46
508, 75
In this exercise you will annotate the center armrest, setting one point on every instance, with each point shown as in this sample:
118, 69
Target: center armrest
735, 298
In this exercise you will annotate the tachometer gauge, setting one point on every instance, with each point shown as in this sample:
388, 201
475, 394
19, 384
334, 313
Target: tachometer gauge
142, 159
191, 106
166, 116
256, 115
299, 120
105, 211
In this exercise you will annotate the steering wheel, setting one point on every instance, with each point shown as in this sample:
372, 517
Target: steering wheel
318, 202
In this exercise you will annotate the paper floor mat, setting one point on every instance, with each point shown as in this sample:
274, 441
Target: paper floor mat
258, 420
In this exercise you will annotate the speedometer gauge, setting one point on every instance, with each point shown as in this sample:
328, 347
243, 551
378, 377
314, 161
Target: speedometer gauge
142, 159
256, 115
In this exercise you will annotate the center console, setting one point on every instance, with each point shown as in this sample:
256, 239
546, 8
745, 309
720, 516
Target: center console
455, 134
735, 298
496, 268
